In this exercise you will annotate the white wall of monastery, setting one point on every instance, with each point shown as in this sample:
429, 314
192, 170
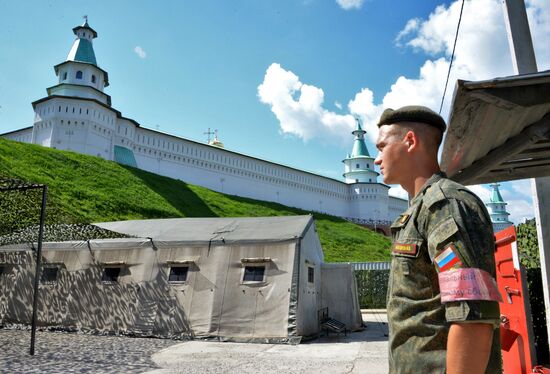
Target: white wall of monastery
87, 127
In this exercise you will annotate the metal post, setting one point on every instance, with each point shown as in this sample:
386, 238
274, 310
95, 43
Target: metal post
37, 273
519, 37
524, 61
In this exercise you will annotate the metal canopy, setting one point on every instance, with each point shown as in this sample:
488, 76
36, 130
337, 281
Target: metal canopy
499, 130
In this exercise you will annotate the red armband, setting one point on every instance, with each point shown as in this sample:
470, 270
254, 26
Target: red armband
467, 284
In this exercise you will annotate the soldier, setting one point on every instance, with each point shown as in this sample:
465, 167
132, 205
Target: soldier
442, 302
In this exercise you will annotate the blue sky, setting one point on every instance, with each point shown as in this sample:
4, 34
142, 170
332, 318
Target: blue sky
279, 79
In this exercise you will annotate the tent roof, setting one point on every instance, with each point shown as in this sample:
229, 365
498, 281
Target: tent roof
499, 130
248, 229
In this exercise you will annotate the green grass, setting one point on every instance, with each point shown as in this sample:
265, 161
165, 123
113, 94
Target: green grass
85, 189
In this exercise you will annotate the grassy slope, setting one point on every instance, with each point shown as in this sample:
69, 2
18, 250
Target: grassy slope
89, 189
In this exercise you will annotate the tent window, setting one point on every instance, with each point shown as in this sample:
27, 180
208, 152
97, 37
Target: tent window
178, 274
110, 275
49, 275
310, 274
254, 273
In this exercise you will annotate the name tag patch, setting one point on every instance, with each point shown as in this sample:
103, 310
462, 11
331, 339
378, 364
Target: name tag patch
406, 249
447, 259
467, 284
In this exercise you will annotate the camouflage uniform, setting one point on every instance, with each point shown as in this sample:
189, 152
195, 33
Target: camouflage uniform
443, 213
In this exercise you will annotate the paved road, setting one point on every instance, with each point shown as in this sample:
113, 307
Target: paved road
58, 352
359, 352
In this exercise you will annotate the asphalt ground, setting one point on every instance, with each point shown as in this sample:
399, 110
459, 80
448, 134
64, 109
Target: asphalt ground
60, 352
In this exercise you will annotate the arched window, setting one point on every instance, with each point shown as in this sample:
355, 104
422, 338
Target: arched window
79, 75
65, 76
93, 78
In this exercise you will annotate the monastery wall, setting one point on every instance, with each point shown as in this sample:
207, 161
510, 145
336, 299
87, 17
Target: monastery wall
232, 173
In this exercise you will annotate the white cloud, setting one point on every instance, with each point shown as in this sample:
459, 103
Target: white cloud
338, 105
410, 27
482, 48
519, 210
482, 191
363, 106
398, 191
299, 107
350, 4
140, 52
518, 195
538, 12
426, 90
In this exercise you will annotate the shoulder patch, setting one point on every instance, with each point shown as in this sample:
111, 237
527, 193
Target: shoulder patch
447, 259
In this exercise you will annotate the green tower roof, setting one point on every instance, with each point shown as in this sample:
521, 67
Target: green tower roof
496, 197
359, 146
359, 149
82, 49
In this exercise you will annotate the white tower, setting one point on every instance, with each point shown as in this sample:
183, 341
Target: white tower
79, 75
359, 166
497, 210
77, 115
369, 199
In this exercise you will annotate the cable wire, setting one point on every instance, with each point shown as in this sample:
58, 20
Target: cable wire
452, 57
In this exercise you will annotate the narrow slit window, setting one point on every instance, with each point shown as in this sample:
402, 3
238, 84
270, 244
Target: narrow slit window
310, 274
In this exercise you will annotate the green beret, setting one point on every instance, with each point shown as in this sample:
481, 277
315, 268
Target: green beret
412, 113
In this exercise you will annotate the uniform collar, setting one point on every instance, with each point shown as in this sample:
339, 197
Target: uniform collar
433, 179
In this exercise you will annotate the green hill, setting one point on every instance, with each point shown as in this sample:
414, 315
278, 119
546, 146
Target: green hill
84, 189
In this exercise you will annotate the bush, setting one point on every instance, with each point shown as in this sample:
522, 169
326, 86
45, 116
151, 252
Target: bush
372, 287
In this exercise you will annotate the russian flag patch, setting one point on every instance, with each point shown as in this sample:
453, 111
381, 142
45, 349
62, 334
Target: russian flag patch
447, 259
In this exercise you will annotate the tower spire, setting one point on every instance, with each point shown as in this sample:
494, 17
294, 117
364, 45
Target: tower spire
82, 49
79, 75
497, 209
359, 145
359, 165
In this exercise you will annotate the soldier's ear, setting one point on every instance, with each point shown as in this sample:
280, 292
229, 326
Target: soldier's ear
411, 140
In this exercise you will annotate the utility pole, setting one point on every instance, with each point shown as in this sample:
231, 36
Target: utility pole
523, 59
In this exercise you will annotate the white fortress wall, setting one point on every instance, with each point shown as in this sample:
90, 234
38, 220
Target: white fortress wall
396, 206
369, 200
230, 172
23, 135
